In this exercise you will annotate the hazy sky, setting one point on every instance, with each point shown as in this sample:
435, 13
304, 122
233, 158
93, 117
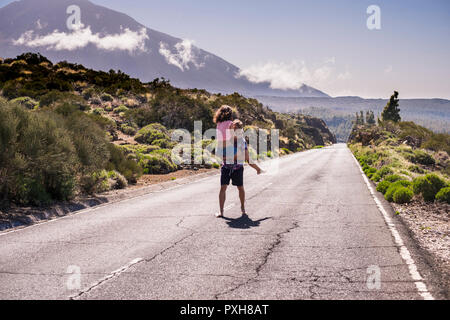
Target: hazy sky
324, 43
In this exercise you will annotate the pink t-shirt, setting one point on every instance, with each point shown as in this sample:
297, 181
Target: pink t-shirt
222, 128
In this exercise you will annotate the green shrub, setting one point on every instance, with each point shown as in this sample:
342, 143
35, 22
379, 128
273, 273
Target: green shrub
389, 195
106, 97
142, 116
95, 182
409, 128
151, 133
88, 93
403, 195
89, 140
443, 195
385, 171
375, 177
162, 152
103, 181
383, 186
120, 109
38, 159
140, 148
405, 172
370, 170
120, 182
98, 111
428, 186
216, 165
416, 169
27, 102
163, 143
393, 178
421, 157
208, 143
438, 142
157, 164
57, 98
128, 130
118, 161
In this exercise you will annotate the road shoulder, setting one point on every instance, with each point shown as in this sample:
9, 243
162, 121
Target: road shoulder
429, 266
21, 217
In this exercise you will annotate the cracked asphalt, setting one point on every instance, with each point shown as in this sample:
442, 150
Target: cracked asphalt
312, 232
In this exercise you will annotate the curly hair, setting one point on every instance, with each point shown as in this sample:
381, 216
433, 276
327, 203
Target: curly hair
237, 124
225, 113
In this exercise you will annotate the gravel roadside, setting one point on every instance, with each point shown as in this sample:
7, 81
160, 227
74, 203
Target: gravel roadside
429, 226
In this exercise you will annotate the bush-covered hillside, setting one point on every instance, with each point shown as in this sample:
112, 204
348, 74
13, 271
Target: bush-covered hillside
339, 112
339, 122
66, 129
405, 159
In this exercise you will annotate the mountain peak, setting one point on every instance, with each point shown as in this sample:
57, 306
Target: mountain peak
105, 39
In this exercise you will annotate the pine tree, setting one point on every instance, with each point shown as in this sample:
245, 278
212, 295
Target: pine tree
362, 117
391, 110
370, 117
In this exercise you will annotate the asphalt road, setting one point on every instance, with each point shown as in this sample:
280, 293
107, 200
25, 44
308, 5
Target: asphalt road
313, 231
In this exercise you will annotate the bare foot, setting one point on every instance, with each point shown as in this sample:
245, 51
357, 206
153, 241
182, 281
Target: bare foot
219, 214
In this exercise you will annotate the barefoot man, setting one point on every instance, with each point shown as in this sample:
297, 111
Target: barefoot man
233, 167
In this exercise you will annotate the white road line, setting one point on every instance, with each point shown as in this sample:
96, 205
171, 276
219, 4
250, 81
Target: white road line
109, 276
404, 252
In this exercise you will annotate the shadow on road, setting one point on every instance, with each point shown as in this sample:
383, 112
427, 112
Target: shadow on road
243, 222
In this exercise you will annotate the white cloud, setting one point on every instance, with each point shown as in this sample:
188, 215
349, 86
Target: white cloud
39, 24
289, 76
345, 76
331, 60
127, 40
323, 73
183, 55
388, 69
280, 75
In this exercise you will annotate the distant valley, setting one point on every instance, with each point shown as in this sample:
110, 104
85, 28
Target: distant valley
339, 112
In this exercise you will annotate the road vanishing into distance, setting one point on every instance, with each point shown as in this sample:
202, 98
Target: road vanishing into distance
313, 231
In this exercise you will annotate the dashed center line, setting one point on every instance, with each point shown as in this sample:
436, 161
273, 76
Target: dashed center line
108, 277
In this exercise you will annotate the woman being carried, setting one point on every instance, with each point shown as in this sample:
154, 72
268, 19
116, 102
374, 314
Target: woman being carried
234, 151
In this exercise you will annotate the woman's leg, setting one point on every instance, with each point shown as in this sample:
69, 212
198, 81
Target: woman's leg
242, 198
